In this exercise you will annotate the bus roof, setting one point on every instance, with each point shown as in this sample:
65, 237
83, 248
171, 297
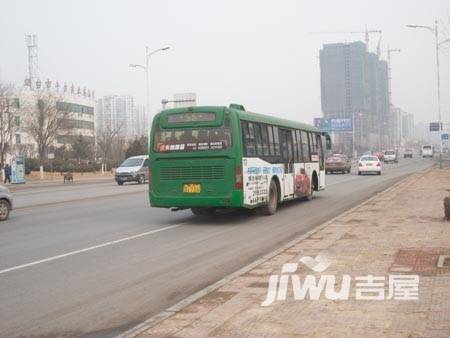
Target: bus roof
256, 117
248, 116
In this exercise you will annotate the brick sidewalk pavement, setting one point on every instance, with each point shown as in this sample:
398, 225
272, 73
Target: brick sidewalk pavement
400, 231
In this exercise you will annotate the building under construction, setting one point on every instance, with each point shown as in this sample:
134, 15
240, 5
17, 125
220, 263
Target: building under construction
354, 85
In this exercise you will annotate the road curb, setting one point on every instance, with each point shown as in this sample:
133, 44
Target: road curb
159, 317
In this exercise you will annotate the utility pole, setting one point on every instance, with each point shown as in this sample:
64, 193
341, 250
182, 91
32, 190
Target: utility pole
33, 72
436, 35
438, 43
146, 67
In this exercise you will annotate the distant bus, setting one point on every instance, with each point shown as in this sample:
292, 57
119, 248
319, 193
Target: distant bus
206, 158
427, 151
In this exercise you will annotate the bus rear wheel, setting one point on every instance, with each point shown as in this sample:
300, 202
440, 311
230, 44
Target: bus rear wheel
271, 207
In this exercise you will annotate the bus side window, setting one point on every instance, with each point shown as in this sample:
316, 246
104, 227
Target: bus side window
249, 139
258, 138
312, 143
320, 151
294, 143
265, 140
271, 141
276, 139
299, 146
305, 147
286, 145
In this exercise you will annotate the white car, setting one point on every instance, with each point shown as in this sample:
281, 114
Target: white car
390, 156
369, 164
427, 151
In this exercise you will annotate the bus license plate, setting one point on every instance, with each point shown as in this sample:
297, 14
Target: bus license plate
192, 188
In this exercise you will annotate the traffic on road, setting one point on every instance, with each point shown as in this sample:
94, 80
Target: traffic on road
97, 246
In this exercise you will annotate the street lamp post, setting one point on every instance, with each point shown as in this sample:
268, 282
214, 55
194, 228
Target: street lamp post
145, 67
435, 30
354, 132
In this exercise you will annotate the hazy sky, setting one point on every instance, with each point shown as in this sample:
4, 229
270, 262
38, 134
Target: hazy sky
257, 53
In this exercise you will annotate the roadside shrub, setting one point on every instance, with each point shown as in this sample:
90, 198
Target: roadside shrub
59, 165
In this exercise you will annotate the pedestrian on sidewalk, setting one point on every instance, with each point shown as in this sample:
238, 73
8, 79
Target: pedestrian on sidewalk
7, 171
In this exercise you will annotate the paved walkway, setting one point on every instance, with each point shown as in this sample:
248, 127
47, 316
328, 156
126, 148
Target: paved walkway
397, 237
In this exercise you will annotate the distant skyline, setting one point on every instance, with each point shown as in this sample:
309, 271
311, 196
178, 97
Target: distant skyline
257, 53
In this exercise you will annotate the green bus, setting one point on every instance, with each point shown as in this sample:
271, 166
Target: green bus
212, 157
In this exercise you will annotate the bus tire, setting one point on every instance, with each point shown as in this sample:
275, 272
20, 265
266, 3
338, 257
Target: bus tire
120, 182
271, 207
197, 211
313, 187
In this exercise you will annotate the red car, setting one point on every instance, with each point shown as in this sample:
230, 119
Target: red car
338, 163
380, 155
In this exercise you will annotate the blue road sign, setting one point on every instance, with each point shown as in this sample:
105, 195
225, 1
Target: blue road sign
434, 126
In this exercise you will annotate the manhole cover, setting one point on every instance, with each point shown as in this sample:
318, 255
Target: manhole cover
444, 261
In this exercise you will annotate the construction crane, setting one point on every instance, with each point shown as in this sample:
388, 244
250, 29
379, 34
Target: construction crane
366, 33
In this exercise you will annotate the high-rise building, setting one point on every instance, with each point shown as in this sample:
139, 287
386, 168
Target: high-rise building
354, 85
117, 113
141, 120
407, 126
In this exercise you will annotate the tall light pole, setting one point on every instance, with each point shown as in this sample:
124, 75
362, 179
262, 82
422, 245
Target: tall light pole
391, 135
145, 67
435, 30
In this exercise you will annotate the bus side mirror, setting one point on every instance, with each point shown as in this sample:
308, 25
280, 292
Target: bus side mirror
328, 141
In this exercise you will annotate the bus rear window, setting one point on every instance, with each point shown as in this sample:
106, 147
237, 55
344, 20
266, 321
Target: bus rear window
192, 139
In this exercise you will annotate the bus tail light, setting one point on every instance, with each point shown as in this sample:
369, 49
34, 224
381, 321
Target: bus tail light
239, 179
379, 164
360, 164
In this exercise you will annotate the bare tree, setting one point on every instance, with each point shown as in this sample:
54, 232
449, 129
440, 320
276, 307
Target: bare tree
7, 125
110, 143
45, 122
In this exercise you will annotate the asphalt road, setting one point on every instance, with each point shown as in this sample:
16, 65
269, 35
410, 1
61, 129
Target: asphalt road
94, 260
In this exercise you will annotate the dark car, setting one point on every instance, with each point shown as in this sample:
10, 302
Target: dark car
338, 163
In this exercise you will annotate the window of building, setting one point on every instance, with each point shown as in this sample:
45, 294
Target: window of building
17, 138
17, 121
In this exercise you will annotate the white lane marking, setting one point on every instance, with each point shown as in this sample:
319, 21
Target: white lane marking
49, 259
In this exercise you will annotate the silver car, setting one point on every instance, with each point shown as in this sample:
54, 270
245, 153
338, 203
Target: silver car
133, 169
6, 203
